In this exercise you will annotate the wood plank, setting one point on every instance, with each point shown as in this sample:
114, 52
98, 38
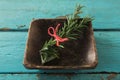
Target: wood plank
18, 77
59, 76
12, 45
15, 13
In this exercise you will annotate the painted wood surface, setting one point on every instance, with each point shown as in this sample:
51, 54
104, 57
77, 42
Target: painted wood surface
12, 46
16, 13
59, 77
19, 13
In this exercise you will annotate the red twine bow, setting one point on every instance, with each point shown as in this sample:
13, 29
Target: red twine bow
54, 34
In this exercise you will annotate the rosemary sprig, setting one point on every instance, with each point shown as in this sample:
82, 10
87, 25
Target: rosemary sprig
71, 30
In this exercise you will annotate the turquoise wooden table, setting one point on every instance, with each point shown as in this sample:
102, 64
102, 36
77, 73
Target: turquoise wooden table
16, 15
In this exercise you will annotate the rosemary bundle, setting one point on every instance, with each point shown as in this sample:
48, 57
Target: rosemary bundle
70, 31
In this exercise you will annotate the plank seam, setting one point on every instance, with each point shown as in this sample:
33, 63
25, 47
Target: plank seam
59, 73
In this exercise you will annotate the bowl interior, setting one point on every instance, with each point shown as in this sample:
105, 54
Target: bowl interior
77, 54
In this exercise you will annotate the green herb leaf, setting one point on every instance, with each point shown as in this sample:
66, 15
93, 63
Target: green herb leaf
71, 29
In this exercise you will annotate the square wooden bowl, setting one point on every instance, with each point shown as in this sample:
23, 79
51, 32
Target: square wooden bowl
77, 54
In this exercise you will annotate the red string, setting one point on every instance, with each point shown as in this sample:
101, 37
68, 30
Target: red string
54, 34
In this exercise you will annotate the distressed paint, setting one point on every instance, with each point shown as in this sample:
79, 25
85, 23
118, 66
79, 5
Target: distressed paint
12, 46
14, 13
60, 76
18, 77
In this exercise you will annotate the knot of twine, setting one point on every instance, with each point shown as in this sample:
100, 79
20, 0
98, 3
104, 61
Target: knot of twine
54, 34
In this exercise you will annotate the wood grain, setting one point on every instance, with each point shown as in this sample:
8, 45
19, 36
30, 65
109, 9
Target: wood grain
19, 13
12, 46
60, 76
16, 13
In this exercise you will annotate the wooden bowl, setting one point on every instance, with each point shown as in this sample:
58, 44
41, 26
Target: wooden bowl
77, 54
